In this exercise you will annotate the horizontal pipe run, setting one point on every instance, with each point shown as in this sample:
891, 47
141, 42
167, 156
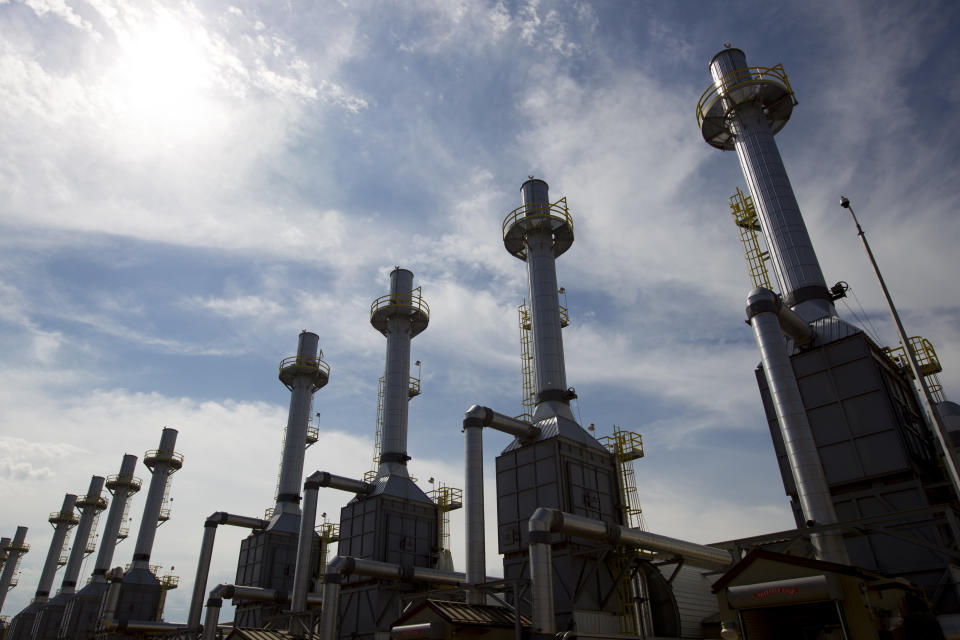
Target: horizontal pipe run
342, 566
486, 417
329, 480
698, 555
242, 592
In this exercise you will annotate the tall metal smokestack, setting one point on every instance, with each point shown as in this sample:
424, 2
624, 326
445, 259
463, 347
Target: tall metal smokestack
62, 522
121, 486
302, 374
90, 505
537, 232
399, 315
743, 110
163, 463
80, 613
14, 551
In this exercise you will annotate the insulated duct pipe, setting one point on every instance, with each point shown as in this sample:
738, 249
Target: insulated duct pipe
302, 375
62, 522
311, 489
89, 506
206, 553
342, 566
474, 420
241, 592
545, 521
400, 316
162, 462
752, 102
812, 491
14, 551
122, 486
537, 233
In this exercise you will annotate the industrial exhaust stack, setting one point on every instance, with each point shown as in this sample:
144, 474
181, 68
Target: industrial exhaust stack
80, 614
851, 438
47, 624
393, 521
303, 374
12, 551
21, 627
141, 593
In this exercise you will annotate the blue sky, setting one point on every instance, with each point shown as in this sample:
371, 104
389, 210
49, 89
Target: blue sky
185, 186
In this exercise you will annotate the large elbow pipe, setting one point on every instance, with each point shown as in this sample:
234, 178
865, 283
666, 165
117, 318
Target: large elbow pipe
474, 420
206, 553
308, 521
342, 566
545, 521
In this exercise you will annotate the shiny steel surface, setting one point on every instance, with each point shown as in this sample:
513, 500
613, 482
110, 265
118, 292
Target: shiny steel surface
64, 524
123, 487
791, 251
82, 535
301, 387
400, 318
811, 483
301, 573
17, 548
154, 500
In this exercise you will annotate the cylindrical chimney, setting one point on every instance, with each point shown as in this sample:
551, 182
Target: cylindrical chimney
162, 463
90, 505
303, 374
121, 486
400, 315
14, 551
538, 232
752, 104
62, 522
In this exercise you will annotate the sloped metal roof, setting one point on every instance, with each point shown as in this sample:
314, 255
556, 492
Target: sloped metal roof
460, 613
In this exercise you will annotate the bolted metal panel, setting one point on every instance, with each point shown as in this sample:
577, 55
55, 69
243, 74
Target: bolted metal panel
877, 453
268, 560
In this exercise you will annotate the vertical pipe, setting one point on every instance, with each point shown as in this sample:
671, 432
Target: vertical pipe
549, 368
122, 487
396, 377
115, 578
301, 576
212, 620
203, 571
541, 586
301, 397
473, 495
160, 465
62, 522
812, 490
89, 505
15, 550
331, 607
791, 250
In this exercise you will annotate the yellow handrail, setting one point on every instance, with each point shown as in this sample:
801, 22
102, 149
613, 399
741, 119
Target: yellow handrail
735, 80
543, 210
315, 363
412, 300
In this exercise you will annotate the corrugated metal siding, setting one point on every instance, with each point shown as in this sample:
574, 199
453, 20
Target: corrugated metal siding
695, 600
480, 614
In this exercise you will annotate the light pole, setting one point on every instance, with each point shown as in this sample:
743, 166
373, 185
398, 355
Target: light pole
939, 428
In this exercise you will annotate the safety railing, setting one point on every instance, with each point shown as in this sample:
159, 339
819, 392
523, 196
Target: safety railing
313, 363
740, 79
412, 300
539, 212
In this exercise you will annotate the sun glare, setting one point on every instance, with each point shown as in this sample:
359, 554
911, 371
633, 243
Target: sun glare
163, 82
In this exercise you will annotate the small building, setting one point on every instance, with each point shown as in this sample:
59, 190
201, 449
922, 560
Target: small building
447, 620
772, 595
